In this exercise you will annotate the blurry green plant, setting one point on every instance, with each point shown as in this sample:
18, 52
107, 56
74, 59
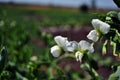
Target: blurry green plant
106, 30
20, 59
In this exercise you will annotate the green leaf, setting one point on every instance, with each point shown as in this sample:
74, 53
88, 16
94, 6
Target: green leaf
116, 75
117, 2
112, 14
85, 67
114, 68
3, 60
59, 71
20, 77
98, 78
5, 74
119, 16
113, 77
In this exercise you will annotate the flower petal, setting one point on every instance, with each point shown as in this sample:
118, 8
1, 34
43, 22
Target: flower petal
61, 41
55, 51
93, 35
105, 28
101, 26
71, 46
96, 24
84, 45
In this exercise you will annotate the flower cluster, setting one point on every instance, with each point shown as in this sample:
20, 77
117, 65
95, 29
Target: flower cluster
71, 46
63, 44
82, 47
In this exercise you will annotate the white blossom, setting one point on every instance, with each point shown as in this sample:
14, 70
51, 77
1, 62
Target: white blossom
34, 58
85, 46
93, 35
71, 46
55, 51
78, 56
61, 41
101, 26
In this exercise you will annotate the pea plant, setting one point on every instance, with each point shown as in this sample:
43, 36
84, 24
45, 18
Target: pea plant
21, 59
107, 30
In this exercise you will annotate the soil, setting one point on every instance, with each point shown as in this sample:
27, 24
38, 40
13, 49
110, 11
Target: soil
77, 33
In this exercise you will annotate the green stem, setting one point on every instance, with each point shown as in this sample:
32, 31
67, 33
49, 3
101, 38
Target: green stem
92, 71
93, 74
64, 56
56, 61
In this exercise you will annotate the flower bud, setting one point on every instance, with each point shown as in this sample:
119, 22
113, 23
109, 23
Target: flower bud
55, 51
93, 35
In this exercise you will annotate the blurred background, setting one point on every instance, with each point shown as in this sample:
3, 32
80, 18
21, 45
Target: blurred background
66, 3
27, 30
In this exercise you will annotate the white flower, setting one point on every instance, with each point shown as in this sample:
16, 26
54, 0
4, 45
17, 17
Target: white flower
101, 26
78, 56
85, 46
55, 51
61, 41
71, 46
93, 35
34, 58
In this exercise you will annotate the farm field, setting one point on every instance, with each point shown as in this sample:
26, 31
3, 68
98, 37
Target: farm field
28, 35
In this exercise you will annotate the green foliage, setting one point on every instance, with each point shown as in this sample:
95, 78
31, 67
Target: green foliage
115, 75
26, 61
92, 72
3, 60
119, 15
112, 18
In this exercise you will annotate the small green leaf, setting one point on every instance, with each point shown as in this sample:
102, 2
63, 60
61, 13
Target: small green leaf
112, 14
116, 75
20, 77
114, 68
3, 60
85, 67
99, 78
119, 16
59, 71
113, 77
